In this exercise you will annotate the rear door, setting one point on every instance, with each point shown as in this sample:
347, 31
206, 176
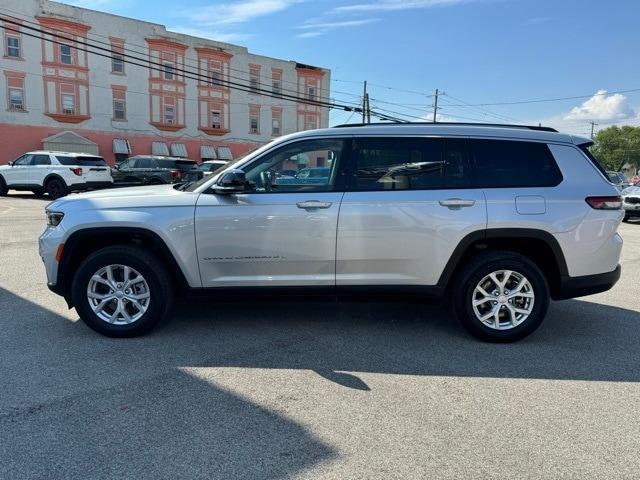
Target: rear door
408, 205
40, 168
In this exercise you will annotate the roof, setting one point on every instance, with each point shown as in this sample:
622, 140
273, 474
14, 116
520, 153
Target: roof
520, 132
54, 152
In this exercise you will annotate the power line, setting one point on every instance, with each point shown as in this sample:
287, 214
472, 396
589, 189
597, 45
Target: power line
193, 62
557, 99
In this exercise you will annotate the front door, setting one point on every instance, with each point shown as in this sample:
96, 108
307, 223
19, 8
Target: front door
283, 231
408, 206
20, 172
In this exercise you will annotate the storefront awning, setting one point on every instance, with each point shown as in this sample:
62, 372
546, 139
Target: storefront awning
224, 153
208, 152
121, 145
179, 150
159, 148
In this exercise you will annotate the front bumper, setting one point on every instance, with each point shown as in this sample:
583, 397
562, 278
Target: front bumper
572, 287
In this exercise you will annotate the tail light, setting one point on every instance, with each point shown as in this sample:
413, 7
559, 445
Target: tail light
175, 173
605, 203
77, 171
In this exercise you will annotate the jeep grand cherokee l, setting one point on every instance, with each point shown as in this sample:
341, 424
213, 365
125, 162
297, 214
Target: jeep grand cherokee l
499, 219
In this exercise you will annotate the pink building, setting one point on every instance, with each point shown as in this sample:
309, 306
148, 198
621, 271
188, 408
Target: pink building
142, 89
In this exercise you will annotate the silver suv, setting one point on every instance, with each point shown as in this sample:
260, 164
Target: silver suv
499, 219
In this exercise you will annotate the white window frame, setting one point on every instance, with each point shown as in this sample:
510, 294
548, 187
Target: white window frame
214, 114
22, 107
64, 55
18, 48
254, 130
169, 71
65, 110
123, 103
117, 59
169, 119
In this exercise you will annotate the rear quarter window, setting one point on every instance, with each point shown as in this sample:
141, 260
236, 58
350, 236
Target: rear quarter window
510, 163
81, 161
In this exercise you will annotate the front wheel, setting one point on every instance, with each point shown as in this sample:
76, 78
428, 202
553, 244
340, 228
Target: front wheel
122, 291
501, 296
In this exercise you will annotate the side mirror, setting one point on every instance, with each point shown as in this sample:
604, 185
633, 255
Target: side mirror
10, 164
231, 181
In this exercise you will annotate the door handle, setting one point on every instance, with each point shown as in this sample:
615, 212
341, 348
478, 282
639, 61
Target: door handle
313, 204
457, 203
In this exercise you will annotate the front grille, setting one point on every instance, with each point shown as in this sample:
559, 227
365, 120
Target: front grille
632, 200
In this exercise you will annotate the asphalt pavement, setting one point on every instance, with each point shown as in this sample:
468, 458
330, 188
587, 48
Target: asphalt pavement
317, 389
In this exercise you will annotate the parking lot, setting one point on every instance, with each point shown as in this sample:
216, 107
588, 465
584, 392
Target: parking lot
274, 390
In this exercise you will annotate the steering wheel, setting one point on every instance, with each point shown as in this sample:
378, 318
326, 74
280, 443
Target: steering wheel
265, 179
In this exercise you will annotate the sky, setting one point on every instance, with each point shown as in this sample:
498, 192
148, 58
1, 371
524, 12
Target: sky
493, 59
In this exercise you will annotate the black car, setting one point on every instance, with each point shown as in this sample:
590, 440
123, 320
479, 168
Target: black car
155, 170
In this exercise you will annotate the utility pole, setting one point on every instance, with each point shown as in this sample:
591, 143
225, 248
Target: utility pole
364, 103
368, 109
435, 107
593, 124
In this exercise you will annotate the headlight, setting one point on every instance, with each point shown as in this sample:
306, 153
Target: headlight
54, 218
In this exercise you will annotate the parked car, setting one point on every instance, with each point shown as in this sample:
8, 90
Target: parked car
631, 203
55, 173
155, 170
618, 179
498, 219
211, 166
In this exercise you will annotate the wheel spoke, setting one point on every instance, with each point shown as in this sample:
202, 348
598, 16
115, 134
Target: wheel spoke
496, 317
482, 300
139, 296
99, 296
99, 279
110, 275
512, 314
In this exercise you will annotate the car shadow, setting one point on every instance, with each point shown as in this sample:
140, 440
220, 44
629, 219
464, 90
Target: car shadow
105, 408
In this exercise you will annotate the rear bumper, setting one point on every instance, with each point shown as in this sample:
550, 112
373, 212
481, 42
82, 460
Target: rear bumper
78, 187
571, 287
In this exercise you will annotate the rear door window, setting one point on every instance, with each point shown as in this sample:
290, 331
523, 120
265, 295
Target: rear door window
81, 161
41, 160
508, 163
405, 163
146, 163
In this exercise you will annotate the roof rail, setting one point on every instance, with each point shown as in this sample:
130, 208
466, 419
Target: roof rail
461, 124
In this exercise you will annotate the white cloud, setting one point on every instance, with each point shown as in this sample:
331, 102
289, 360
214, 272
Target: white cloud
316, 28
602, 107
215, 35
238, 12
392, 5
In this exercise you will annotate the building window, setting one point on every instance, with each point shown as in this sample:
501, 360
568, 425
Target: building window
119, 109
254, 119
311, 92
68, 104
169, 114
275, 126
117, 63
254, 78
13, 46
66, 56
276, 121
276, 81
169, 71
216, 119
16, 99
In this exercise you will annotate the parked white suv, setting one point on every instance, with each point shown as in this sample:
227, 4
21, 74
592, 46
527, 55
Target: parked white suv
55, 173
498, 219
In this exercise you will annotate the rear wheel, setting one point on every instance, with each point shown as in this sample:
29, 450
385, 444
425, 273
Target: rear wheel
55, 188
122, 291
501, 297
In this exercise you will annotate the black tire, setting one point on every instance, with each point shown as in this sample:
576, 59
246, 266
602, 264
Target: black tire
38, 192
626, 219
3, 187
475, 271
148, 265
55, 188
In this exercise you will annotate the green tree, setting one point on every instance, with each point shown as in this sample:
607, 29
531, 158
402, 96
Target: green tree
616, 146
